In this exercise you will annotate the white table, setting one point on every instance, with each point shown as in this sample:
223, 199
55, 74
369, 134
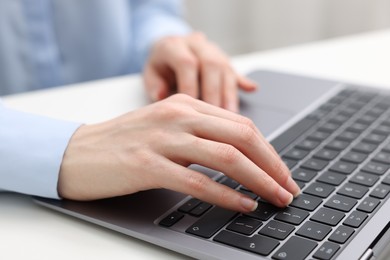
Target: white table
28, 231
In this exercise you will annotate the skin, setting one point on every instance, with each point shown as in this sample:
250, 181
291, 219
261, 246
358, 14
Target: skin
194, 66
152, 147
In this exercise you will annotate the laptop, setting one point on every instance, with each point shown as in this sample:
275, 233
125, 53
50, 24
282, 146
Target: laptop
333, 136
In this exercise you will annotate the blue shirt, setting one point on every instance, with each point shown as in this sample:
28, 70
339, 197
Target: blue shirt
46, 43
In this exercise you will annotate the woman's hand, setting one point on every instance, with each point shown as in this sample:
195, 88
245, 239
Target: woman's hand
152, 147
194, 66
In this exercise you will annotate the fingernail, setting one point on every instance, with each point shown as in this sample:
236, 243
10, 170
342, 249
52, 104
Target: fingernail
293, 187
285, 197
248, 204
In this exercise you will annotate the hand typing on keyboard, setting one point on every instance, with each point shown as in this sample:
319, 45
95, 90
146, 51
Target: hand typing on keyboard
152, 147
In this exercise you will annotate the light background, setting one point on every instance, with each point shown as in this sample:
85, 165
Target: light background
241, 26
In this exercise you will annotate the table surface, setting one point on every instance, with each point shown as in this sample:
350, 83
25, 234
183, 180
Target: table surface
29, 231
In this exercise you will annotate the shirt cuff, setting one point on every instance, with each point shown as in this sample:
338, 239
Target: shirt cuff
31, 152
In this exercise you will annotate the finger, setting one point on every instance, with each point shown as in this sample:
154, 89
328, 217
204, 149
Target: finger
156, 86
185, 66
246, 84
200, 186
252, 145
229, 160
211, 89
229, 92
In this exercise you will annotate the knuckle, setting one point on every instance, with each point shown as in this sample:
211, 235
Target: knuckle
248, 122
224, 197
227, 154
188, 62
210, 62
247, 134
197, 182
278, 168
182, 98
168, 42
170, 110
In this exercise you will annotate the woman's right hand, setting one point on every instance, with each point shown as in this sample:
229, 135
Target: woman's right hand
151, 148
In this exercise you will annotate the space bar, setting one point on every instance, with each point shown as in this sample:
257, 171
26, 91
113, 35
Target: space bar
286, 138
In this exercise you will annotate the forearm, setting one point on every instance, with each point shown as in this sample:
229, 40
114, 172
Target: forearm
31, 151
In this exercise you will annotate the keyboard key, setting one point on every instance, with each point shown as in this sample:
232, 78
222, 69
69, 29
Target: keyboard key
171, 219
263, 212
348, 111
339, 118
347, 136
374, 138
355, 219
318, 136
341, 234
293, 133
328, 216
189, 205
289, 249
326, 251
296, 154
318, 114
211, 222
289, 163
376, 111
386, 180
337, 145
248, 193
244, 225
354, 157
357, 127
382, 129
200, 209
314, 230
329, 127
308, 144
277, 230
365, 147
380, 191
382, 157
306, 202
319, 189
368, 204
353, 190
343, 167
257, 244
303, 175
341, 203
365, 179
332, 178
367, 119
326, 154
300, 184
314, 164
229, 182
375, 168
292, 215
386, 148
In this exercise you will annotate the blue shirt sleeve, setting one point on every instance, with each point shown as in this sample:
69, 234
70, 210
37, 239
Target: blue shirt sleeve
31, 152
152, 20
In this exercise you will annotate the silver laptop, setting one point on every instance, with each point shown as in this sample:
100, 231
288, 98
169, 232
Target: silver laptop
335, 139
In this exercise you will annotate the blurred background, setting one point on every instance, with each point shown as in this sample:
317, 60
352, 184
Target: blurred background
241, 26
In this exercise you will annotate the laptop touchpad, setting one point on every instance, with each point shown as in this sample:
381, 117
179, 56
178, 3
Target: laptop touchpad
279, 98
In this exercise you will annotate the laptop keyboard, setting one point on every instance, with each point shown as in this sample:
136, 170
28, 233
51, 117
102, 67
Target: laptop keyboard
339, 155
